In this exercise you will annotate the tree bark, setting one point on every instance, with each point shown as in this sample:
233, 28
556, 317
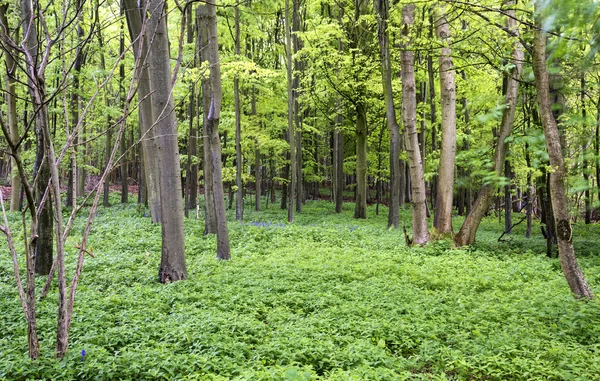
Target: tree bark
211, 94
442, 220
382, 7
409, 107
360, 42
577, 283
172, 266
137, 32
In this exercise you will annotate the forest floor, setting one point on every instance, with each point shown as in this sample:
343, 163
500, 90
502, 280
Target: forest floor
325, 298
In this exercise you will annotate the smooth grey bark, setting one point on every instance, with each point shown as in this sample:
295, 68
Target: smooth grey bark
442, 220
172, 264
382, 9
409, 107
467, 233
137, 32
211, 94
210, 214
11, 108
577, 283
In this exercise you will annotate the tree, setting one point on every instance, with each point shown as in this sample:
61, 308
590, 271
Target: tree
382, 8
137, 31
290, 131
467, 233
409, 108
577, 283
442, 221
11, 103
211, 101
172, 264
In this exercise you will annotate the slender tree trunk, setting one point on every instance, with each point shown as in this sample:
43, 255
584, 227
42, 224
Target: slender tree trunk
192, 167
211, 92
124, 166
291, 198
11, 109
586, 174
467, 233
360, 210
172, 266
239, 199
298, 67
579, 287
432, 109
382, 7
442, 220
507, 198
360, 39
409, 107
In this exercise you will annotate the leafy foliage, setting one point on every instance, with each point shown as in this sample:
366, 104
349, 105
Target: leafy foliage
327, 297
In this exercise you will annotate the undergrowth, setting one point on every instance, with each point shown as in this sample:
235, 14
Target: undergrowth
325, 298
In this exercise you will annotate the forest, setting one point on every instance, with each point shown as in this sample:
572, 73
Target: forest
299, 190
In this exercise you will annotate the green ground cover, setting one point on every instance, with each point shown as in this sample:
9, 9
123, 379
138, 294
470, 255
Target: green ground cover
328, 297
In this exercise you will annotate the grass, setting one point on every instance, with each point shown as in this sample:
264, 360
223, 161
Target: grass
325, 298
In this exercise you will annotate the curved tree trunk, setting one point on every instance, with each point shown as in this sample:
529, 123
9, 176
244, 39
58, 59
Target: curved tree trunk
577, 283
409, 107
467, 233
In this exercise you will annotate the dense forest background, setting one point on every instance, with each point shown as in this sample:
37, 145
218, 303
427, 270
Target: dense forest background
421, 112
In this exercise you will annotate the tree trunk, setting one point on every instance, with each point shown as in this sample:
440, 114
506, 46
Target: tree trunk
257, 177
386, 71
442, 220
467, 233
564, 232
211, 94
239, 198
291, 198
360, 38
507, 198
124, 166
298, 67
586, 173
409, 107
11, 110
137, 32
172, 266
